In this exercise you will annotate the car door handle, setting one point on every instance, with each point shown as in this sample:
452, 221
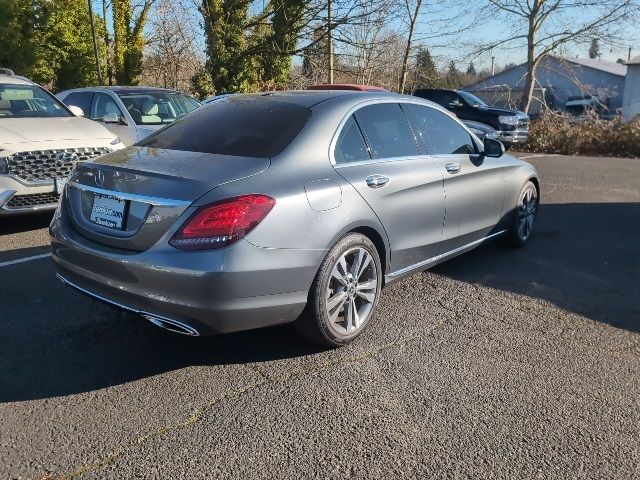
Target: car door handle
452, 167
377, 180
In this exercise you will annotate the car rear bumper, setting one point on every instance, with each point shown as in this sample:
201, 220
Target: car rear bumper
240, 287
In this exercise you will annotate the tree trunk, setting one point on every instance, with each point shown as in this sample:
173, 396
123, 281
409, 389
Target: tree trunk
329, 44
407, 50
532, 61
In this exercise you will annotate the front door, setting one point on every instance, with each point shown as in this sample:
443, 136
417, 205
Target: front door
376, 151
473, 184
102, 105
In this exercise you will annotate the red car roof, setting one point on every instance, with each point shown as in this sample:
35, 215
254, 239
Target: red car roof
347, 86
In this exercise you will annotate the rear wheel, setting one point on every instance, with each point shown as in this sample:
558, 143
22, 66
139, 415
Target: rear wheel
344, 293
524, 216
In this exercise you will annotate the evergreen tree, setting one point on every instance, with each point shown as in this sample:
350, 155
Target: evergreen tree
50, 42
226, 42
23, 28
471, 69
594, 49
286, 23
128, 30
453, 76
426, 74
73, 42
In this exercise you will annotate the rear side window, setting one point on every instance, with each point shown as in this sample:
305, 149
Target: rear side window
350, 146
82, 100
240, 126
387, 131
440, 133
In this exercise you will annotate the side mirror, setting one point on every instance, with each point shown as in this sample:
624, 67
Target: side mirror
77, 111
113, 118
493, 148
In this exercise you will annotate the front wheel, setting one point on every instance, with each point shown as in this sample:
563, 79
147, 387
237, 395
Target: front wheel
344, 294
524, 215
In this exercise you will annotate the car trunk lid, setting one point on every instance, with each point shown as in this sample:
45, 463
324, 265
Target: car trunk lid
130, 198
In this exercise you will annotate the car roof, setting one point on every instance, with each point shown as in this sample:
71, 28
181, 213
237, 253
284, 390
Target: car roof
119, 89
14, 80
347, 86
310, 98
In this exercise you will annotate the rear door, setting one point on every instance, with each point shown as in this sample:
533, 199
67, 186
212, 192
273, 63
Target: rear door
377, 152
473, 184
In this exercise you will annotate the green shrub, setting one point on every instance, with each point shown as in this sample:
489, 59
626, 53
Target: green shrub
554, 133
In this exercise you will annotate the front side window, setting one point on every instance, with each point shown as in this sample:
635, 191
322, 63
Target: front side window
82, 100
157, 108
350, 146
238, 125
387, 131
29, 101
440, 133
103, 105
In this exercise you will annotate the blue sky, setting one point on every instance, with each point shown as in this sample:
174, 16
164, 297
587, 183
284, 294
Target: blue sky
446, 46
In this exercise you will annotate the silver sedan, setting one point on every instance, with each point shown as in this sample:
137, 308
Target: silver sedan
284, 207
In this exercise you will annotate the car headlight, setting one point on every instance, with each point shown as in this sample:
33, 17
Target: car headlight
508, 119
115, 141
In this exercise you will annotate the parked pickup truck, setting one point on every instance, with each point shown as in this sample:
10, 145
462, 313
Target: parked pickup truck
512, 127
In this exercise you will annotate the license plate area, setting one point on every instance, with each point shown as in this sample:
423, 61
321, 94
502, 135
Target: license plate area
108, 211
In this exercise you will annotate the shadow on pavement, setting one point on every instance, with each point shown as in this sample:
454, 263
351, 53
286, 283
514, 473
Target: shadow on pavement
23, 223
584, 258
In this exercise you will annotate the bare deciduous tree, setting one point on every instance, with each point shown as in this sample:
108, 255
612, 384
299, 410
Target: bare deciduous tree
545, 25
172, 56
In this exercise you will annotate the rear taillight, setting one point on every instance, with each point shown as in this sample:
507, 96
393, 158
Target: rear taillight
222, 223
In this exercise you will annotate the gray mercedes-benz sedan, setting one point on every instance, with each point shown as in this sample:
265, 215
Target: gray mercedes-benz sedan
284, 207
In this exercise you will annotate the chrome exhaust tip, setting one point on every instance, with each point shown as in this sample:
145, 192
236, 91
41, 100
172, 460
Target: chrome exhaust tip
171, 325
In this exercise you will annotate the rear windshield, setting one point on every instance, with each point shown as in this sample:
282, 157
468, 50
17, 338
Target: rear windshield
238, 125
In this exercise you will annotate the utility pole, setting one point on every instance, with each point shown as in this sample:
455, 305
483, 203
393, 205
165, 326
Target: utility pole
95, 43
629, 55
106, 42
493, 66
329, 43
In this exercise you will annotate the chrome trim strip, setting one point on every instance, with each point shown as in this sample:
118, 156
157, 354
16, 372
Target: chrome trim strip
130, 309
157, 201
437, 258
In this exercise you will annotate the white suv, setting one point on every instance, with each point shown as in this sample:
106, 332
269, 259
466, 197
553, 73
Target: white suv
41, 140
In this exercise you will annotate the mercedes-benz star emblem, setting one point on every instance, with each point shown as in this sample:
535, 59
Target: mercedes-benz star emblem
99, 178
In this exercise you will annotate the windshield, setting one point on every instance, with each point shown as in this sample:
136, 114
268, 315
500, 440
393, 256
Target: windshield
29, 101
157, 108
472, 99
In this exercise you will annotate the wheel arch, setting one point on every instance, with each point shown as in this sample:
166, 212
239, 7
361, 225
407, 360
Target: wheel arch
379, 243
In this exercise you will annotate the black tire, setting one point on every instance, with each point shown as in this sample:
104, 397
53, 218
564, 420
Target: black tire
316, 323
524, 209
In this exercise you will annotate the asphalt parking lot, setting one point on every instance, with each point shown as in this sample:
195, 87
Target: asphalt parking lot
499, 364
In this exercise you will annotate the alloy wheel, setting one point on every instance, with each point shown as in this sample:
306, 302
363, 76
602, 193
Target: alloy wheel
351, 291
527, 209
